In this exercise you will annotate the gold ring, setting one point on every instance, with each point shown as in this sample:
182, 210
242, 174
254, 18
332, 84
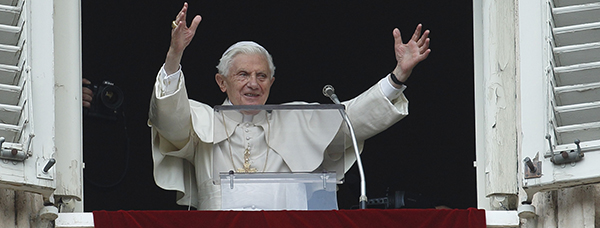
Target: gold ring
174, 24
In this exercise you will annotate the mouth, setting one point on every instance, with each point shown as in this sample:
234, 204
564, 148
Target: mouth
251, 95
252, 98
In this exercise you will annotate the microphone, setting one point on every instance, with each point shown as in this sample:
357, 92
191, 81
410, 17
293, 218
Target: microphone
328, 91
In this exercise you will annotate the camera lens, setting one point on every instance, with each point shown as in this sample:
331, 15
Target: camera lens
111, 96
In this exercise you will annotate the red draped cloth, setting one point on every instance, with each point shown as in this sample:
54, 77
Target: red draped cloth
413, 218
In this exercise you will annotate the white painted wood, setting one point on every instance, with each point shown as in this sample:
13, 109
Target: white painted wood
10, 113
580, 93
496, 84
533, 63
577, 54
32, 58
568, 206
577, 73
9, 34
9, 94
68, 121
501, 219
40, 54
478, 53
576, 34
573, 100
8, 74
75, 220
576, 47
566, 3
578, 113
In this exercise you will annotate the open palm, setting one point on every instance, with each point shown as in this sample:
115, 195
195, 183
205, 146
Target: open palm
411, 53
181, 36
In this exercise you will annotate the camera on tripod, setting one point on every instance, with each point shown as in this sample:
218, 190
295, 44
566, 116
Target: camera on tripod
107, 101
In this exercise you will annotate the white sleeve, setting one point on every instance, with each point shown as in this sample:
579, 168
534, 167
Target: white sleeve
168, 83
389, 90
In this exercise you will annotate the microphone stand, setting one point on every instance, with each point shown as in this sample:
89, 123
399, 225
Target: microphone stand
362, 200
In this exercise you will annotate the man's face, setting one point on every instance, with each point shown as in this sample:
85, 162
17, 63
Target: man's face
249, 80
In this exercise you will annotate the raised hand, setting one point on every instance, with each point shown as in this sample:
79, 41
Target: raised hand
181, 36
411, 53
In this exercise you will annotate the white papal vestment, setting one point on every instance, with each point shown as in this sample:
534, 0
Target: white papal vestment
184, 147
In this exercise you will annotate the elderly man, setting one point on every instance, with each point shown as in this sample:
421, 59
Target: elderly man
185, 150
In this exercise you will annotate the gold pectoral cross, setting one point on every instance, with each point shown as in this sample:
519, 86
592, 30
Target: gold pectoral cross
247, 168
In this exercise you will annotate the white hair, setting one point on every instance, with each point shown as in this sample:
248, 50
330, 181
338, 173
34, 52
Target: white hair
245, 47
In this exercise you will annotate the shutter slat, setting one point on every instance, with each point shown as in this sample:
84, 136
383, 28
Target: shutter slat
576, 14
575, 28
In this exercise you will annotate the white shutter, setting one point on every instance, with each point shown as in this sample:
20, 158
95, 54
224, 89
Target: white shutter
26, 68
13, 96
571, 81
576, 71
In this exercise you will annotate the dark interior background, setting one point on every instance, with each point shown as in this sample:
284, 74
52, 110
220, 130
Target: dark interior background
347, 44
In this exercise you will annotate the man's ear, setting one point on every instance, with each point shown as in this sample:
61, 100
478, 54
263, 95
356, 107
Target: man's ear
221, 82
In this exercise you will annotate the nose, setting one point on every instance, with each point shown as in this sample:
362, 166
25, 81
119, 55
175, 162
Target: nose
252, 82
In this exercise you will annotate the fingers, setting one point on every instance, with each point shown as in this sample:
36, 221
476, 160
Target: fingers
195, 22
183, 12
425, 47
425, 54
417, 33
424, 50
87, 100
417, 37
397, 36
423, 38
423, 43
86, 94
181, 36
180, 18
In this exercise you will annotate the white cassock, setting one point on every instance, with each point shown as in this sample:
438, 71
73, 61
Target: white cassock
184, 147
